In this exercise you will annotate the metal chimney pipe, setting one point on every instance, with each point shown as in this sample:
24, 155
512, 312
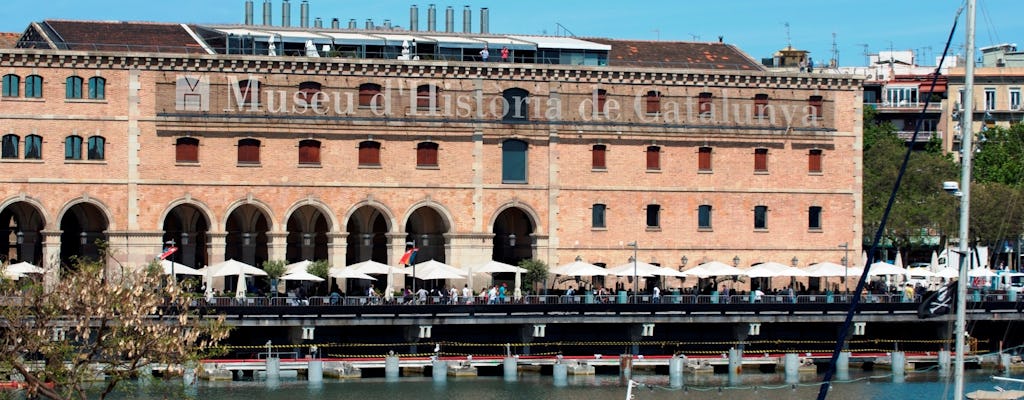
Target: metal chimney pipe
286, 13
369, 24
431, 19
449, 19
267, 13
318, 23
485, 20
467, 20
248, 12
335, 24
304, 14
352, 23
414, 18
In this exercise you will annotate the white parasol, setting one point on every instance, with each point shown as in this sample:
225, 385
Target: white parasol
179, 269
302, 276
24, 268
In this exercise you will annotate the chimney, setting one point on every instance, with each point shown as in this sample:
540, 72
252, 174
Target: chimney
352, 23
318, 23
267, 13
485, 20
467, 20
414, 18
431, 19
304, 14
248, 12
335, 24
286, 14
369, 24
449, 19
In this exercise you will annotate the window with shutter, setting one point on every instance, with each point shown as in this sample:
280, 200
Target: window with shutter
309, 151
760, 160
368, 95
761, 105
653, 158
369, 154
704, 159
814, 161
186, 150
653, 100
248, 151
597, 157
426, 154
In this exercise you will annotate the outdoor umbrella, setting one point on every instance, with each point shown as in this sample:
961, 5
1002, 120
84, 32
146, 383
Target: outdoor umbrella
377, 268
772, 269
437, 270
642, 269
349, 273
934, 264
713, 268
830, 269
981, 273
232, 267
493, 267
884, 268
179, 269
12, 275
948, 273
24, 268
580, 268
241, 288
899, 260
302, 276
298, 266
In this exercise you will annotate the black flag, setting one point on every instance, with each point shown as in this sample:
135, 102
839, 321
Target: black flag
939, 302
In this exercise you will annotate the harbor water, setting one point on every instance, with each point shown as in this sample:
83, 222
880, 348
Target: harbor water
863, 386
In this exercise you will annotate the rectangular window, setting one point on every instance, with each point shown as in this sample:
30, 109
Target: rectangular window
514, 161
1015, 99
653, 102
761, 217
597, 216
704, 103
704, 217
73, 148
12, 85
817, 103
597, 157
368, 95
600, 97
186, 150
33, 147
653, 216
10, 146
990, 99
761, 105
369, 153
34, 86
814, 161
653, 158
426, 154
704, 159
97, 88
248, 151
97, 145
901, 96
309, 152
760, 160
814, 218
73, 88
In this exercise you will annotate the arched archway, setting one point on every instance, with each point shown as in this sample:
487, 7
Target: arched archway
188, 228
426, 228
81, 226
307, 235
513, 236
246, 239
367, 235
20, 238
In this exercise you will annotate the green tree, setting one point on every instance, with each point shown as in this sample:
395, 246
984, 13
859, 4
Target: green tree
322, 269
88, 323
998, 156
536, 273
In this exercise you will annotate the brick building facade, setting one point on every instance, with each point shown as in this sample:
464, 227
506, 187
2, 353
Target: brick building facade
256, 157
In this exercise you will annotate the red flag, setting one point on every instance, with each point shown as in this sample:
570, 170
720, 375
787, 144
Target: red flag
409, 256
167, 252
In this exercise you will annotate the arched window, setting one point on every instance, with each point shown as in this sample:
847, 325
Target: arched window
369, 154
73, 88
653, 158
186, 150
33, 147
653, 100
516, 105
73, 147
97, 147
12, 85
34, 86
10, 146
426, 97
309, 151
598, 159
426, 154
514, 159
97, 88
248, 151
309, 90
368, 95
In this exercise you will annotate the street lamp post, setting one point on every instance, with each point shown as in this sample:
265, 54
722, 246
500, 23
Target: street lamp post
636, 282
846, 265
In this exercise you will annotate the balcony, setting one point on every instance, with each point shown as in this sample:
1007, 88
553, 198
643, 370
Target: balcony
905, 106
922, 137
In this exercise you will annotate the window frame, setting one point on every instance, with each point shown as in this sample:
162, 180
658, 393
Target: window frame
599, 216
990, 99
815, 161
97, 88
653, 156
427, 155
705, 159
518, 102
94, 143
652, 218
369, 154
248, 95
1014, 96
761, 105
308, 90
599, 157
249, 151
9, 147
814, 218
186, 150
600, 100
761, 160
367, 93
309, 152
73, 145
760, 218
33, 147
704, 107
518, 152
427, 97
705, 213
11, 85
653, 102
73, 87
817, 105
35, 83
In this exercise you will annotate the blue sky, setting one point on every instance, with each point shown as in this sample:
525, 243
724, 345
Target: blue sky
756, 26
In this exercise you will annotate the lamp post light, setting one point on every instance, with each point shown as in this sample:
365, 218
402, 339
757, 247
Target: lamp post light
846, 266
636, 282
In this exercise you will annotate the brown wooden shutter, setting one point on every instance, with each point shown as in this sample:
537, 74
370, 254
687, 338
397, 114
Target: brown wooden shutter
653, 157
598, 157
187, 150
704, 159
761, 160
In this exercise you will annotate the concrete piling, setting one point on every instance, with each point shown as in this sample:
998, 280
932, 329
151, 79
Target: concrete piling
675, 371
791, 364
315, 371
392, 370
626, 366
843, 366
273, 368
440, 371
899, 366
735, 365
560, 373
945, 359
511, 369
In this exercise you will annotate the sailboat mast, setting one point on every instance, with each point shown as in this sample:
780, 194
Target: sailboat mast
966, 151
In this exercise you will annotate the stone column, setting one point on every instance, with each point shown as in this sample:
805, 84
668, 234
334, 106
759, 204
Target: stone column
218, 241
51, 257
277, 246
